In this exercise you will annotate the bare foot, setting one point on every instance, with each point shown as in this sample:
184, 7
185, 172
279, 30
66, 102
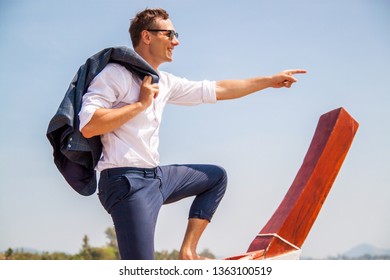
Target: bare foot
191, 256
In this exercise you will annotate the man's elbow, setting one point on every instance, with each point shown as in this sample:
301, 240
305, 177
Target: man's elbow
87, 132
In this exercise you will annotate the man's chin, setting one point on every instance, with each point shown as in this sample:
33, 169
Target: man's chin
167, 59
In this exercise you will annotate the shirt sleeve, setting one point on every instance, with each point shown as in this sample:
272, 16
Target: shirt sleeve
105, 90
185, 92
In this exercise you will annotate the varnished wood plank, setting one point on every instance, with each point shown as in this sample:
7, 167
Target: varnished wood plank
289, 226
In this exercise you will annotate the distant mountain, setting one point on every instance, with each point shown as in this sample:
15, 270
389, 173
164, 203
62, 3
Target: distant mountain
366, 249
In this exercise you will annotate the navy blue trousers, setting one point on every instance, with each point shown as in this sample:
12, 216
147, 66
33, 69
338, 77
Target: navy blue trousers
133, 197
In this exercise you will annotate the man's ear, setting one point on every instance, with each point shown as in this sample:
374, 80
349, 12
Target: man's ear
145, 37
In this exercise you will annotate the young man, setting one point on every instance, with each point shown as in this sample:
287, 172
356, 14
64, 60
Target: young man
126, 113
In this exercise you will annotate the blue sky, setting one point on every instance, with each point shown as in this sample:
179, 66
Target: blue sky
260, 140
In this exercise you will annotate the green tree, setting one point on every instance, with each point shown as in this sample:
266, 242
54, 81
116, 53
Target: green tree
8, 254
112, 244
86, 250
111, 235
108, 252
207, 254
165, 255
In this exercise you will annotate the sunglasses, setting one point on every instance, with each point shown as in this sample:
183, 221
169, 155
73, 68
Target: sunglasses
172, 33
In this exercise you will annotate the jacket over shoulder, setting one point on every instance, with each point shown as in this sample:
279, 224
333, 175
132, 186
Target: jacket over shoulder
74, 155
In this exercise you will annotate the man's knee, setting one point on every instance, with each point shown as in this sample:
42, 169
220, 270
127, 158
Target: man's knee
221, 175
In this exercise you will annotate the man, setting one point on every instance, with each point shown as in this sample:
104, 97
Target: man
126, 113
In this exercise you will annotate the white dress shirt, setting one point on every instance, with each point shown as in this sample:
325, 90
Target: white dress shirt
135, 144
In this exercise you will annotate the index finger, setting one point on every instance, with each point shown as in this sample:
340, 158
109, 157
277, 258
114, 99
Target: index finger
296, 71
147, 79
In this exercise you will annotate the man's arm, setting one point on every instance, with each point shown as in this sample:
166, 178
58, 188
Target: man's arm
106, 120
231, 89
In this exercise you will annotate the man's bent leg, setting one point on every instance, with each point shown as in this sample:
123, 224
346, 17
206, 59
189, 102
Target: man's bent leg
206, 182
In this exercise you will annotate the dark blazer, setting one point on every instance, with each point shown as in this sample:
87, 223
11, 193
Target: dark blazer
74, 155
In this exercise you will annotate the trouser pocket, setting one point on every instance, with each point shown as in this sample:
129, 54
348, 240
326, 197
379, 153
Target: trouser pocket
112, 190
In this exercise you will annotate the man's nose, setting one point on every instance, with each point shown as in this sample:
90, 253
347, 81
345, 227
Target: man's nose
175, 41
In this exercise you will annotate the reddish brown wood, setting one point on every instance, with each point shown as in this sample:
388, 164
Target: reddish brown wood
256, 255
298, 210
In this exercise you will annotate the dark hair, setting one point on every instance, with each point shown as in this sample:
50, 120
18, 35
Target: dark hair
144, 20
